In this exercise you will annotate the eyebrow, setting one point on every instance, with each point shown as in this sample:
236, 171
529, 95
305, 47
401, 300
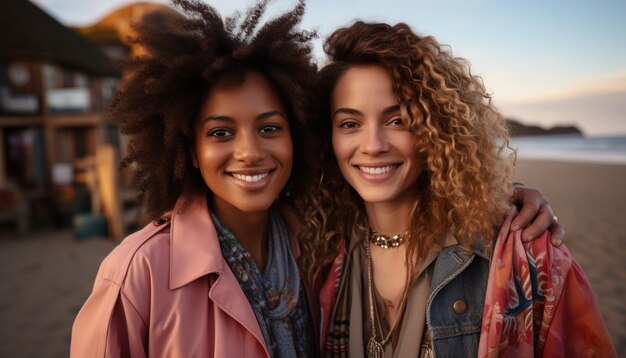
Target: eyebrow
391, 109
351, 111
260, 117
355, 112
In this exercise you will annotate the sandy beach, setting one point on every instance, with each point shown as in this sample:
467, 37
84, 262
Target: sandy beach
590, 200
45, 277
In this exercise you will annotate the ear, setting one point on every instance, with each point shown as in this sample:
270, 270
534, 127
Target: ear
194, 157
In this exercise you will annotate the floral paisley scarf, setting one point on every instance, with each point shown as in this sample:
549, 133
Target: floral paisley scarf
276, 295
539, 303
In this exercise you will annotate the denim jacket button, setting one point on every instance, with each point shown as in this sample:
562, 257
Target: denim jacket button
459, 307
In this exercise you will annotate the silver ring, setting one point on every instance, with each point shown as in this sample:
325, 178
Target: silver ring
555, 218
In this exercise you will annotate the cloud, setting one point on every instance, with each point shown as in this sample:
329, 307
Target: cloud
613, 83
603, 84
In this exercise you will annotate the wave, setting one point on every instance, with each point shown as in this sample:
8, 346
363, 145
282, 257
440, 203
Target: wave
601, 149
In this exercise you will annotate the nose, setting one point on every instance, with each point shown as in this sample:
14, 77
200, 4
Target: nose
248, 149
375, 141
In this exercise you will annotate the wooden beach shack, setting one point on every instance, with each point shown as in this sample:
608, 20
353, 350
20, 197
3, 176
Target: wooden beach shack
59, 152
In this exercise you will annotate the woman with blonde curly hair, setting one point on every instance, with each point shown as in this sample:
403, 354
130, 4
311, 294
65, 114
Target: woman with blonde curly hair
414, 184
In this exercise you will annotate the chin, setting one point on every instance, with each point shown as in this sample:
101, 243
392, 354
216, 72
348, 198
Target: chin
255, 207
375, 197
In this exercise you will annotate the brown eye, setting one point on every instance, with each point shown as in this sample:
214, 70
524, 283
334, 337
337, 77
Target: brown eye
220, 133
397, 121
270, 128
349, 124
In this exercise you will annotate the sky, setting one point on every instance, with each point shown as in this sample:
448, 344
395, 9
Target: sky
558, 62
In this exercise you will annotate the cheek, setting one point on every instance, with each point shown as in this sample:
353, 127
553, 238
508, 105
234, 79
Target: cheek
406, 143
200, 155
345, 147
285, 151
210, 158
417, 158
281, 151
338, 146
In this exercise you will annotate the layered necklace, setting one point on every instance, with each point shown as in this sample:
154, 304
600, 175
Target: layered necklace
375, 346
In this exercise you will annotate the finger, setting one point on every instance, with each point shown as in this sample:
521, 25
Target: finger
542, 222
525, 216
529, 201
557, 231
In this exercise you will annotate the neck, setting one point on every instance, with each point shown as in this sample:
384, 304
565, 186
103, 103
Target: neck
390, 270
389, 218
250, 229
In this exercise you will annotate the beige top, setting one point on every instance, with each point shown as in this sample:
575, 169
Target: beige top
413, 324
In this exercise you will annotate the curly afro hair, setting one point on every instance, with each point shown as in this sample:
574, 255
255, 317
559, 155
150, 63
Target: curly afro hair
160, 97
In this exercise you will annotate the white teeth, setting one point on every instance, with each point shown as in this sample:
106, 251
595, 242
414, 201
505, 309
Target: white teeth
377, 170
250, 178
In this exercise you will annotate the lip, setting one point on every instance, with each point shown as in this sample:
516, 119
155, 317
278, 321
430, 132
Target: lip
376, 172
252, 179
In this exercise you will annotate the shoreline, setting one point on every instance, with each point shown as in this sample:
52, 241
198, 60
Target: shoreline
607, 149
615, 158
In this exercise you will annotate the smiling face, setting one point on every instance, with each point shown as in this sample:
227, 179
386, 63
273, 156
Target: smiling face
373, 146
243, 145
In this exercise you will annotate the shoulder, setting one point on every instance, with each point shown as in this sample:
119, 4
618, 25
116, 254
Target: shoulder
106, 310
151, 243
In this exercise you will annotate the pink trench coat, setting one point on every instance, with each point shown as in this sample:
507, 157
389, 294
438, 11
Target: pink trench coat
167, 291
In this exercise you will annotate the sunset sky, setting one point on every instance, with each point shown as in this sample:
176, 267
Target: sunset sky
547, 63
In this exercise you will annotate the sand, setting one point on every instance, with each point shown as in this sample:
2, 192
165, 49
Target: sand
45, 278
590, 200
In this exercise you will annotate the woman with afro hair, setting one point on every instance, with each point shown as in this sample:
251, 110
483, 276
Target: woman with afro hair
211, 112
414, 187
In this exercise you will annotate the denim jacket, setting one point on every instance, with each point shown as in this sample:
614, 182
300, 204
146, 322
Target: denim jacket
455, 307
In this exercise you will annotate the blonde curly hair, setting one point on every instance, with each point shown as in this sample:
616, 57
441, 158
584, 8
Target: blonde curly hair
465, 187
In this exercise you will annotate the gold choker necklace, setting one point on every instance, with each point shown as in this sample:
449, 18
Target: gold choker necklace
385, 241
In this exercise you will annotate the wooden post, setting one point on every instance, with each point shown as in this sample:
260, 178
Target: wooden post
106, 159
48, 129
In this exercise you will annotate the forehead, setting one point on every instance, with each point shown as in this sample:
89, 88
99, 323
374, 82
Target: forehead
249, 98
363, 86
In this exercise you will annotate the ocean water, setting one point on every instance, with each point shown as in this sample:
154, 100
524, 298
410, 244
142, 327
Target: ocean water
600, 149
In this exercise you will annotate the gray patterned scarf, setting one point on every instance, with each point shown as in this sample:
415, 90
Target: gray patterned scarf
276, 295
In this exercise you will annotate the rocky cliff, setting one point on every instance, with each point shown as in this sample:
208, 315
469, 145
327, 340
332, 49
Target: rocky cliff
517, 129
